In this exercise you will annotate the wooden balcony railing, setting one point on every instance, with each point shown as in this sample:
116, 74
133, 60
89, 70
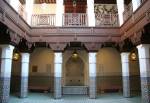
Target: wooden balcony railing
128, 11
75, 19
43, 20
22, 12
107, 20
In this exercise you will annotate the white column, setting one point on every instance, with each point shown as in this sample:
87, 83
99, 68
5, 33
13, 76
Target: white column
14, 4
57, 75
6, 60
92, 75
24, 74
136, 4
5, 72
120, 5
59, 12
144, 60
125, 73
90, 13
29, 10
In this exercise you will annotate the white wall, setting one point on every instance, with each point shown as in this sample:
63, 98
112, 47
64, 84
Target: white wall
108, 62
44, 9
43, 58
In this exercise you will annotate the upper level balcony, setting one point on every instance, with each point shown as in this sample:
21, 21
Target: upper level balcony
74, 19
43, 26
44, 14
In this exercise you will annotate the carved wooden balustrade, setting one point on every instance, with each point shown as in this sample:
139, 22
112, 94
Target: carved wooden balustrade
107, 20
43, 20
69, 19
22, 12
128, 11
75, 19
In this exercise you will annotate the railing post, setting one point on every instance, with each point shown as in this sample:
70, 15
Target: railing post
120, 5
90, 13
136, 4
14, 4
59, 12
29, 9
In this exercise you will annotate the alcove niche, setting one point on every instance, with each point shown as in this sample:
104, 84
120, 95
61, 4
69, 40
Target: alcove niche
74, 72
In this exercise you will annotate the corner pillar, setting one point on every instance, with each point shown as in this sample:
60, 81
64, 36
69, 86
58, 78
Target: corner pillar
144, 60
5, 72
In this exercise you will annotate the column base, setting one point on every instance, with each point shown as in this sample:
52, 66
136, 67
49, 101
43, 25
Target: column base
92, 88
145, 89
126, 87
24, 87
4, 89
57, 88
92, 96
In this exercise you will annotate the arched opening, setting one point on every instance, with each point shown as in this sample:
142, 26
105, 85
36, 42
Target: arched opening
74, 72
109, 75
41, 70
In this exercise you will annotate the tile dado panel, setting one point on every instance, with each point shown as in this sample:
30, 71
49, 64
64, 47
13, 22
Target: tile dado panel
42, 81
75, 89
103, 82
4, 89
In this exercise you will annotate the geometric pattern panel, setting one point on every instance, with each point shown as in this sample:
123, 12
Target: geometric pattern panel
4, 89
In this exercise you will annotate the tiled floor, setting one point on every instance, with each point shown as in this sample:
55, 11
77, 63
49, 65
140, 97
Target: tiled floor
47, 98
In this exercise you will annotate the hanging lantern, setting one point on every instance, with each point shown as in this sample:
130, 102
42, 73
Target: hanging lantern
133, 56
16, 56
75, 54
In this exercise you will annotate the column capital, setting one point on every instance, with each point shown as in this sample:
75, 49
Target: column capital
143, 50
92, 57
25, 57
125, 57
58, 57
7, 46
143, 46
7, 51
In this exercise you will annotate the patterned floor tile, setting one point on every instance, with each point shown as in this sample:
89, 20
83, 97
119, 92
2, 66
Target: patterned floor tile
48, 98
